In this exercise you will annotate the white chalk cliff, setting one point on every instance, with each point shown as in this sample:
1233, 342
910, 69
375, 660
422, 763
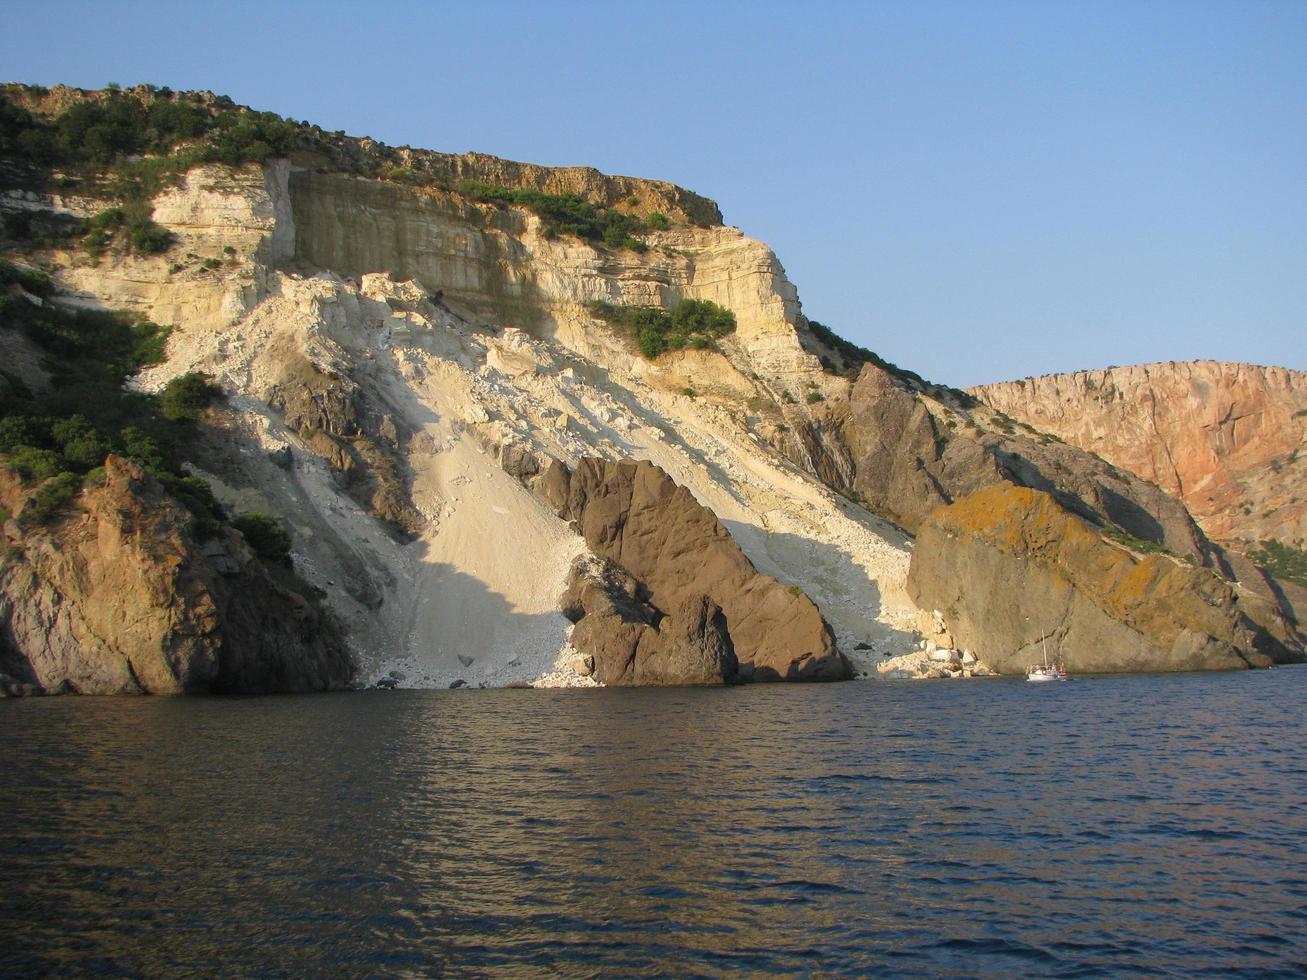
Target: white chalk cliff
415, 351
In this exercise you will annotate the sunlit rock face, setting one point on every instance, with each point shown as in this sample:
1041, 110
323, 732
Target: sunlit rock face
1016, 574
404, 366
1230, 440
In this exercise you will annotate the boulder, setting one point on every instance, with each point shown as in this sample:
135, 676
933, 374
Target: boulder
673, 559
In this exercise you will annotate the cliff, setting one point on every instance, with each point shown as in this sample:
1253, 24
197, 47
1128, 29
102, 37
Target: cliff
1227, 439
1013, 570
397, 357
121, 596
916, 451
408, 363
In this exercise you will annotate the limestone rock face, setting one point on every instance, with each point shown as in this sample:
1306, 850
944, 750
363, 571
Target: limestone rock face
915, 452
1230, 440
684, 565
497, 266
120, 597
1008, 565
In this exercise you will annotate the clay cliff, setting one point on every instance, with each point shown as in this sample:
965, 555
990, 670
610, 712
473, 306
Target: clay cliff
1229, 440
122, 596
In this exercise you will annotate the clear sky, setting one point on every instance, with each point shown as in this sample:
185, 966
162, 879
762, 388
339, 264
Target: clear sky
976, 190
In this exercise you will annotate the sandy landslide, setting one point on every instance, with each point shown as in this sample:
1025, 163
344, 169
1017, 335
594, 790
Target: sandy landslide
474, 598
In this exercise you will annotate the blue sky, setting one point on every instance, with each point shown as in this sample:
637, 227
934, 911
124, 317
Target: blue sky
977, 191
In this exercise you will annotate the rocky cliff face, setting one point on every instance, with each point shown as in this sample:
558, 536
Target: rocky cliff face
120, 597
1230, 440
406, 369
397, 358
1012, 569
915, 451
696, 603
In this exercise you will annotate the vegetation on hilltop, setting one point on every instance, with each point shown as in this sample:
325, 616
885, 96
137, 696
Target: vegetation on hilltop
854, 357
693, 323
569, 214
126, 146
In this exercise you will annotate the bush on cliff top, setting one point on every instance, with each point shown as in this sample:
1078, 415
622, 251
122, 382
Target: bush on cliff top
142, 142
693, 323
565, 214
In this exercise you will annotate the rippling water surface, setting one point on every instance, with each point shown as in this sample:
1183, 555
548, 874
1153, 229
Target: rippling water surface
1140, 824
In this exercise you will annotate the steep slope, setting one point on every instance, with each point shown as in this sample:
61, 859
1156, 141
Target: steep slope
387, 423
1230, 440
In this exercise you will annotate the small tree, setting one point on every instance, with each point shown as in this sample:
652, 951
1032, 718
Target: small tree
266, 536
185, 398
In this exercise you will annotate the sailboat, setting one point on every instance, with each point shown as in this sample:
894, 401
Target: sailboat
1040, 673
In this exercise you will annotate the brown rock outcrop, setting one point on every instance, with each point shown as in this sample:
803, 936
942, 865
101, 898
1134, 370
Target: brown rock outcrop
1230, 440
914, 452
684, 565
634, 645
1008, 565
120, 596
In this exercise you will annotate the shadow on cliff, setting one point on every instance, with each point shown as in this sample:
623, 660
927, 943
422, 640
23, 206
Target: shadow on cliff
829, 575
598, 377
460, 628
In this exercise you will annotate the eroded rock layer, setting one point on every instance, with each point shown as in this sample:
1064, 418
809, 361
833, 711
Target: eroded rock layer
682, 565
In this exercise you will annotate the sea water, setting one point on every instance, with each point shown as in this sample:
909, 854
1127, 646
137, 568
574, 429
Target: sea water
1104, 825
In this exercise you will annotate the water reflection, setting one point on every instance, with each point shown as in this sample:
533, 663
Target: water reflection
1121, 824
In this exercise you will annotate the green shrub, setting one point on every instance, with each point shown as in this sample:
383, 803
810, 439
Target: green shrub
702, 316
198, 498
32, 464
815, 396
136, 444
51, 498
1133, 543
1282, 561
690, 323
657, 221
22, 430
185, 398
95, 243
266, 536
564, 214
34, 281
82, 445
